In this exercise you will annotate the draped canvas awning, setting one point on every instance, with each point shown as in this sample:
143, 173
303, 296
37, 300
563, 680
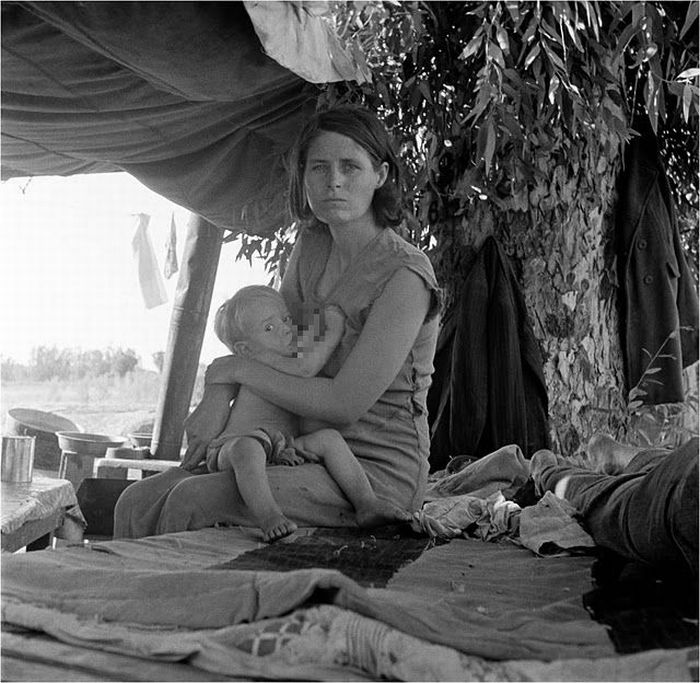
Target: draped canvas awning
198, 100
181, 95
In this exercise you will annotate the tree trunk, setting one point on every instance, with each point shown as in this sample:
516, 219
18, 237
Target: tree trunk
571, 293
560, 239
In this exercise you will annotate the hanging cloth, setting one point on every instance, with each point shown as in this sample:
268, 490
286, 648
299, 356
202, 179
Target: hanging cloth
488, 387
150, 279
171, 267
658, 295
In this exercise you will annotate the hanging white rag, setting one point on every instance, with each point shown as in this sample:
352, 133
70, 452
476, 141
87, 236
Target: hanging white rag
150, 279
171, 267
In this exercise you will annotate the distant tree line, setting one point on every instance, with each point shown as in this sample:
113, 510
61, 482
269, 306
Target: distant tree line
50, 362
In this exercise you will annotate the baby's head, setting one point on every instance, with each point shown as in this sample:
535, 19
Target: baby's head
255, 318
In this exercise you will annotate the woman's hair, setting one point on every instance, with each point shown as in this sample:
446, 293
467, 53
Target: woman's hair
362, 126
228, 321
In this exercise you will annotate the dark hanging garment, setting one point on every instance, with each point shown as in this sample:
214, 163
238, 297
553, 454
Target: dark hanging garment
488, 387
658, 294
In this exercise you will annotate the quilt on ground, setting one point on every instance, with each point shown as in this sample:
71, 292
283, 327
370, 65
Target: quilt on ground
431, 622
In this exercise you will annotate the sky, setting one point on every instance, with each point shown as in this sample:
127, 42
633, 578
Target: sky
68, 277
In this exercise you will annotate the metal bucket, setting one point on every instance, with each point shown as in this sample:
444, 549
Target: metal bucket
17, 459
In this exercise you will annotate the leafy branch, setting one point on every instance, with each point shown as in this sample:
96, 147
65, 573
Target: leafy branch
666, 420
634, 402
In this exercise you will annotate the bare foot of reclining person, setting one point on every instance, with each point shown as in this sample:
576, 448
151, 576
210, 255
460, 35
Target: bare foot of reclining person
379, 512
276, 526
609, 456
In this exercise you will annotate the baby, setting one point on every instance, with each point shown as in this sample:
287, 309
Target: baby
255, 322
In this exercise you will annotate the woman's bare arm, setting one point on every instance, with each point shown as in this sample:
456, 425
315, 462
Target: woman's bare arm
384, 343
314, 349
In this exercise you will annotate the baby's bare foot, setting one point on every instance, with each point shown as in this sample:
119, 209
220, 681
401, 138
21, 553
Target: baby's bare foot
277, 527
380, 512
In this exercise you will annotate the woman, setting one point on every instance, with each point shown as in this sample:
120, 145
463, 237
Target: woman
345, 193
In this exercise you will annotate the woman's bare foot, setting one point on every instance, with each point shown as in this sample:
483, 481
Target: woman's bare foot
277, 526
609, 456
380, 512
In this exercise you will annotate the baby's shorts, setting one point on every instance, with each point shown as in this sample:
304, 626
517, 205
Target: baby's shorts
277, 445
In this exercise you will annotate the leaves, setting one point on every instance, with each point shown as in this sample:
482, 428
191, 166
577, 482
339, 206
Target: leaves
510, 117
532, 55
690, 19
490, 146
689, 73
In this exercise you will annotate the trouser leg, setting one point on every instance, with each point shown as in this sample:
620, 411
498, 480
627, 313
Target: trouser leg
649, 515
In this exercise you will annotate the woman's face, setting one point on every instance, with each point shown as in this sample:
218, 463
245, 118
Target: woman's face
340, 179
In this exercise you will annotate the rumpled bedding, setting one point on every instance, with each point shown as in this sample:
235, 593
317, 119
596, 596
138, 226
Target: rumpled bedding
101, 589
504, 470
457, 613
326, 643
464, 610
444, 617
473, 502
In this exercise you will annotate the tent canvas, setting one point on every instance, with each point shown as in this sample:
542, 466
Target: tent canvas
183, 96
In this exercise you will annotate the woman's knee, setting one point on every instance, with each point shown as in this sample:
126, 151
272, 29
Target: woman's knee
202, 501
123, 511
138, 507
180, 510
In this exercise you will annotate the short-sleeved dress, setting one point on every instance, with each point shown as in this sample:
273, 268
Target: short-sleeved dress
391, 441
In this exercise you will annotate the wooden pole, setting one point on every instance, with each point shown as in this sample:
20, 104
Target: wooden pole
195, 285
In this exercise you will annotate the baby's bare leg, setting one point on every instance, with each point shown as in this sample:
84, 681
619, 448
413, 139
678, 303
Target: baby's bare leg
246, 457
342, 465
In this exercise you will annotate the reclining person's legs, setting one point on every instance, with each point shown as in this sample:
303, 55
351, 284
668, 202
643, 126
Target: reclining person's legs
650, 515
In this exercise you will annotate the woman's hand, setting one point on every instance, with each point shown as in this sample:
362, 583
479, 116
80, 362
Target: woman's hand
205, 423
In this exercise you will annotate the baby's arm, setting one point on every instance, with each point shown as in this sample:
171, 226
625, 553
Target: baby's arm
314, 349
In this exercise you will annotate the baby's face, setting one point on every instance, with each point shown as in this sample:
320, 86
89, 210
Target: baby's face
269, 327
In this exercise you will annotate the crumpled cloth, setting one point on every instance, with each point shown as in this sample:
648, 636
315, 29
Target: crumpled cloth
474, 502
550, 525
37, 499
296, 36
492, 517
545, 528
504, 470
